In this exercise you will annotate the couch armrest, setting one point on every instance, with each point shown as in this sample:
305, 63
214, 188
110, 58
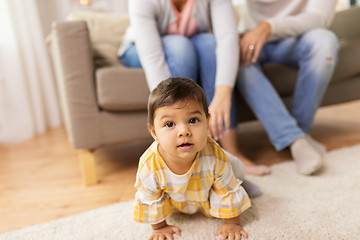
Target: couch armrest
346, 23
73, 65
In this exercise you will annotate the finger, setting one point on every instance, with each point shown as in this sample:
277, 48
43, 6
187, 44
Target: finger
227, 121
220, 126
244, 234
242, 57
169, 236
176, 230
237, 236
224, 236
243, 53
250, 51
231, 236
213, 129
256, 55
161, 237
209, 132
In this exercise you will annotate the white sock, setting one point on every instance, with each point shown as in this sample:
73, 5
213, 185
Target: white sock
319, 146
307, 157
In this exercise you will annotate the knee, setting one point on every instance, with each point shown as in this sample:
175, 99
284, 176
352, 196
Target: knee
204, 40
178, 47
321, 42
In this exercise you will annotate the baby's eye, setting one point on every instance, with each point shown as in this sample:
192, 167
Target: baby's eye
193, 120
169, 124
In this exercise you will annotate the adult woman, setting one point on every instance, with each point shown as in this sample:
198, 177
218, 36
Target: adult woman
172, 38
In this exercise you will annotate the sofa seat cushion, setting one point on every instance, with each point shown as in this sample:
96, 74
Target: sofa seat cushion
121, 89
348, 60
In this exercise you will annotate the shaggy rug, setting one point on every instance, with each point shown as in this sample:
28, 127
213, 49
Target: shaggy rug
324, 206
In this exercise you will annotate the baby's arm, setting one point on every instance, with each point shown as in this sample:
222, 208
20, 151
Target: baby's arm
164, 231
232, 229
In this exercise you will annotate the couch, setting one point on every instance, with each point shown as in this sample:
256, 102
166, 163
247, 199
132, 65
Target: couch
104, 103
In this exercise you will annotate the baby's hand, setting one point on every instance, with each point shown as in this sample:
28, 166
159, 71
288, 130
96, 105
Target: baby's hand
165, 233
231, 231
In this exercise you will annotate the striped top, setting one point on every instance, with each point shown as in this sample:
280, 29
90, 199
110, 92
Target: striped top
209, 187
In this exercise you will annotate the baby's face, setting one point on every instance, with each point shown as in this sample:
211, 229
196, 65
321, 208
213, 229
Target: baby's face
181, 130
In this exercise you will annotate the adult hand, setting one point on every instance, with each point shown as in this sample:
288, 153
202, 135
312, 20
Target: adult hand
220, 111
252, 42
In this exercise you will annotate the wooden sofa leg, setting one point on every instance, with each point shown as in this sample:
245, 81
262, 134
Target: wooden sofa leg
88, 167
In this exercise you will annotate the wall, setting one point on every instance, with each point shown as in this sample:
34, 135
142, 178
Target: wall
53, 10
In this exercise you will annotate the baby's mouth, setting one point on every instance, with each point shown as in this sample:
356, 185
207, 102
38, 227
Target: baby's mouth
185, 145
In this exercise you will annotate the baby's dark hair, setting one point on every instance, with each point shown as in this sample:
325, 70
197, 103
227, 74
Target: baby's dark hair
172, 90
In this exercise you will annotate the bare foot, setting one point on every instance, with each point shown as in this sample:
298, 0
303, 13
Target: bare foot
229, 143
258, 170
253, 168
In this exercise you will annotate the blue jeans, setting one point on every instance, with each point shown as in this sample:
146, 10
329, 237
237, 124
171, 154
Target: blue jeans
315, 54
192, 58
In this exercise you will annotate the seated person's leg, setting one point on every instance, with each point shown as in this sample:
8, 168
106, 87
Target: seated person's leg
268, 107
316, 54
130, 58
280, 125
181, 57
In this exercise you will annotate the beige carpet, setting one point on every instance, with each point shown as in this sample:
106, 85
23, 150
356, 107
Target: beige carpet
325, 206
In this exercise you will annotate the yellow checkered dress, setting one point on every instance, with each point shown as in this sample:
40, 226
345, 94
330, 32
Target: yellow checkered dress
209, 186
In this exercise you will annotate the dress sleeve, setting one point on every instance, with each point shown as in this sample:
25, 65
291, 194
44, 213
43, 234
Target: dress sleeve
143, 18
317, 14
228, 198
151, 204
224, 25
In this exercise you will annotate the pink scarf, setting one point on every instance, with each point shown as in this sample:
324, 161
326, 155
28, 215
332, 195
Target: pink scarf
184, 25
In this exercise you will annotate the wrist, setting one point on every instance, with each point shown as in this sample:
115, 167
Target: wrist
266, 27
223, 90
159, 225
235, 220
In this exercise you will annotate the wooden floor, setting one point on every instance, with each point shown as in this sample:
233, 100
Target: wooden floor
40, 178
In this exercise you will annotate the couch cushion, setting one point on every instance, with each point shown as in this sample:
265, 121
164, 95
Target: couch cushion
106, 32
348, 60
122, 89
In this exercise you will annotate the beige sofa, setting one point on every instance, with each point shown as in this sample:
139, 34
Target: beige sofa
104, 102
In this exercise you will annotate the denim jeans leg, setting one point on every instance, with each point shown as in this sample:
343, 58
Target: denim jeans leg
317, 56
181, 57
267, 106
130, 58
205, 45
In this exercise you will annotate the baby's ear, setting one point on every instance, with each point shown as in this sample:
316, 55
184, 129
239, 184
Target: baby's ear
151, 129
